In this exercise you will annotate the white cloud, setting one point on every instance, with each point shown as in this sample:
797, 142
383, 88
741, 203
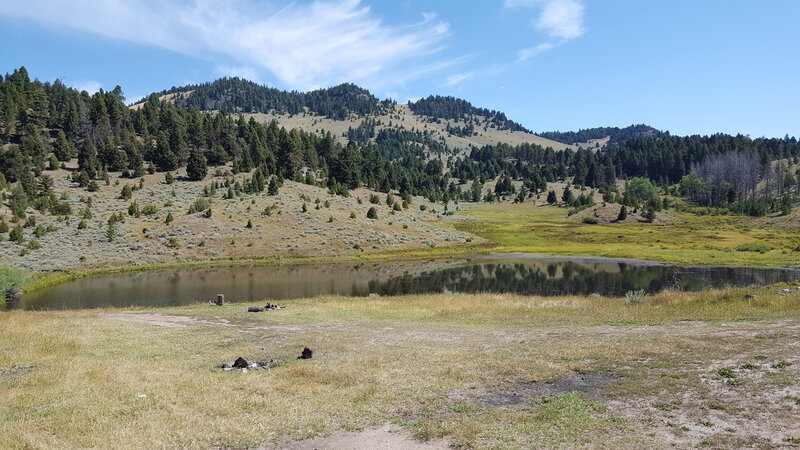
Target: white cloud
528, 53
304, 45
560, 20
457, 78
246, 72
89, 86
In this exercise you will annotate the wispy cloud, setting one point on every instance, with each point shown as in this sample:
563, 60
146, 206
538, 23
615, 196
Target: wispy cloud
89, 86
559, 20
457, 78
303, 45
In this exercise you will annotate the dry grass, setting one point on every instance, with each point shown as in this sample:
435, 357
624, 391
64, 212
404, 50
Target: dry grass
406, 360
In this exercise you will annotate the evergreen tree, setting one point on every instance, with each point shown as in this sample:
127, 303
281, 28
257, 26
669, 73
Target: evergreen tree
63, 150
196, 166
551, 197
568, 197
623, 213
165, 157
87, 159
273, 186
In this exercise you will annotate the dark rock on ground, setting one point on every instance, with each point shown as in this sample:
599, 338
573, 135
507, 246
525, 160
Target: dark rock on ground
241, 363
307, 352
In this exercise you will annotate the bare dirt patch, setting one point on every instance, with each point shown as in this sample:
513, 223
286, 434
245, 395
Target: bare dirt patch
590, 385
169, 321
387, 437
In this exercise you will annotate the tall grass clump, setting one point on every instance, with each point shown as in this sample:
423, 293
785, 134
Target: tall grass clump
10, 278
636, 297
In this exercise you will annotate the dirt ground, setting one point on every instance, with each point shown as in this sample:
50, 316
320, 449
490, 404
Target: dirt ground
722, 385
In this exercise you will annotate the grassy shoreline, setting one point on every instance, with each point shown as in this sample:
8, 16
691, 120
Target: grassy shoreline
681, 238
506, 228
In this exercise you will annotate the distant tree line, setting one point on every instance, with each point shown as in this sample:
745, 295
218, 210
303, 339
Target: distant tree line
235, 95
452, 108
617, 135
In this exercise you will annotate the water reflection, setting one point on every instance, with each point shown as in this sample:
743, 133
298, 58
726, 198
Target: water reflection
544, 276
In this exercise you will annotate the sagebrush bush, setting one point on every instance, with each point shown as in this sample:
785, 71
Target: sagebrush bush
636, 297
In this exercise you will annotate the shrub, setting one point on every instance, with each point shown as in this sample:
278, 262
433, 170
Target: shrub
636, 297
149, 209
756, 246
372, 213
726, 372
590, 220
10, 279
201, 204
374, 199
134, 210
127, 192
16, 235
33, 244
623, 213
173, 243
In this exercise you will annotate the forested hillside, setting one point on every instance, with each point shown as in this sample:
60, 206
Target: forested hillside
617, 135
438, 107
234, 95
45, 124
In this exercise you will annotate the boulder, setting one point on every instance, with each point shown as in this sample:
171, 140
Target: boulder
307, 353
240, 363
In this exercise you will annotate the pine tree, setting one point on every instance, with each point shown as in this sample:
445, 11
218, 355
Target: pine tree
196, 166
623, 213
273, 186
568, 197
87, 159
165, 158
62, 148
551, 197
372, 213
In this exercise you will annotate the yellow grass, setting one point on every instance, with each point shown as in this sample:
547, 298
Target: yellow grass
683, 239
98, 381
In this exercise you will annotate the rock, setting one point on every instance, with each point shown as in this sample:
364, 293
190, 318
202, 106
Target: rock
240, 363
307, 352
255, 309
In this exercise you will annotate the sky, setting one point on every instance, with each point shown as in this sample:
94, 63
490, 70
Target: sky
687, 66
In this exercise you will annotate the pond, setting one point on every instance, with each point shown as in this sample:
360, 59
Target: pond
515, 273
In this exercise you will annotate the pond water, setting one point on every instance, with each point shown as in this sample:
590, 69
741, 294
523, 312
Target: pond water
523, 274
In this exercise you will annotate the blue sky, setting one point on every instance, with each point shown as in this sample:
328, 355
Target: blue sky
688, 66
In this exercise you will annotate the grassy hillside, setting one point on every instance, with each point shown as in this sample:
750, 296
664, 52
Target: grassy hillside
279, 227
400, 116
